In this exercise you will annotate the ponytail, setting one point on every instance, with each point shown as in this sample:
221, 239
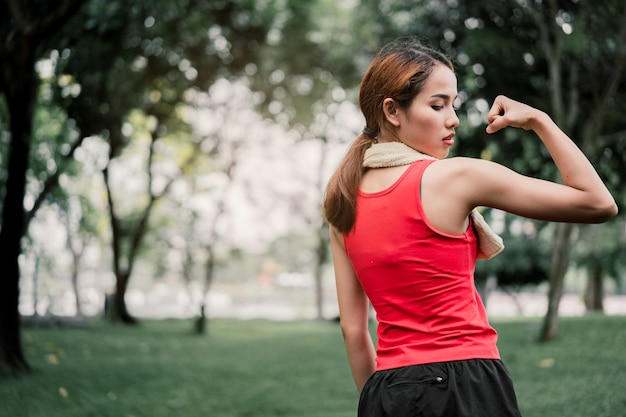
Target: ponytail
343, 186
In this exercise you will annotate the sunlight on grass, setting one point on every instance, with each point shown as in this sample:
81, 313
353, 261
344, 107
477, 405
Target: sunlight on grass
263, 369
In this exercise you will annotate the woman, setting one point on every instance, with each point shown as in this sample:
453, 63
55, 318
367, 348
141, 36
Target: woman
405, 237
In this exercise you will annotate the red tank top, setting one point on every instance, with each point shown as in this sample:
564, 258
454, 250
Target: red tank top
419, 280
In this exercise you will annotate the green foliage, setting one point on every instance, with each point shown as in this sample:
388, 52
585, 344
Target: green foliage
601, 246
269, 369
136, 63
309, 50
507, 40
525, 261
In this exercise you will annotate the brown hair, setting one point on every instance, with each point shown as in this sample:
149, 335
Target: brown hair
399, 71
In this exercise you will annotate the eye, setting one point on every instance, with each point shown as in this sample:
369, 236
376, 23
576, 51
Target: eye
437, 108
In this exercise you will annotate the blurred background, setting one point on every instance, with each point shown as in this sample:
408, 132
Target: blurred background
168, 159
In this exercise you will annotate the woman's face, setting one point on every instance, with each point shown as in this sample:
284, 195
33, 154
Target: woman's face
428, 124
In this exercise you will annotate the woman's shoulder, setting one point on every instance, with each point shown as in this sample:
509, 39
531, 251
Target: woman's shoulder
459, 165
461, 172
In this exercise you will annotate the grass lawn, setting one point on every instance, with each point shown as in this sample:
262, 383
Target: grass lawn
295, 369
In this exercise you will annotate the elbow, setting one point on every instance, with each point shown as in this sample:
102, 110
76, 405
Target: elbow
352, 330
605, 211
612, 210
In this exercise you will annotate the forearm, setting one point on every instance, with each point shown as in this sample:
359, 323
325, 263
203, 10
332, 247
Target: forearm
575, 168
361, 356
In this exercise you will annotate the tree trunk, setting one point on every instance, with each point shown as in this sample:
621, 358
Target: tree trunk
323, 238
321, 257
560, 262
201, 321
75, 287
120, 312
20, 100
19, 84
11, 352
77, 253
595, 291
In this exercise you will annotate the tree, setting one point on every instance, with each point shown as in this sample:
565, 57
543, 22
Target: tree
126, 236
147, 56
25, 28
78, 227
29, 32
600, 253
223, 144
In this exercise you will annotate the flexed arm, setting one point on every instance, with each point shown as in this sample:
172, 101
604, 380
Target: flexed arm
582, 197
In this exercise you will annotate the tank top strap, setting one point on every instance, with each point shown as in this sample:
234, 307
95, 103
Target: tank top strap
413, 175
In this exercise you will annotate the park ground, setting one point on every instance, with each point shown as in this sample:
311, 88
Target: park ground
264, 368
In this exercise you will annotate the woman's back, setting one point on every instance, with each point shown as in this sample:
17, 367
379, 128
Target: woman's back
442, 207
418, 278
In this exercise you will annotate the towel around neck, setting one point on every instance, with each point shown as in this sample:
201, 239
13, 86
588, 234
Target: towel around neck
391, 154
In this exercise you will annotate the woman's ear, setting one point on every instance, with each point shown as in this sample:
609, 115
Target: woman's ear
390, 109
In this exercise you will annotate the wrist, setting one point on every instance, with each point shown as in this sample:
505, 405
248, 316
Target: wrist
538, 121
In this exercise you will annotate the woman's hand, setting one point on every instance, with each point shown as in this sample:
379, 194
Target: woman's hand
510, 113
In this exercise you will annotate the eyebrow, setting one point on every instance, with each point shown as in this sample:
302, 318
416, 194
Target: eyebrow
443, 96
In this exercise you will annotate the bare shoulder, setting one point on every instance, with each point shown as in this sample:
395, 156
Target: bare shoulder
464, 162
461, 168
470, 182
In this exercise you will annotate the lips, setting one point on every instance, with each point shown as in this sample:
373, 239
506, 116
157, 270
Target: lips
449, 140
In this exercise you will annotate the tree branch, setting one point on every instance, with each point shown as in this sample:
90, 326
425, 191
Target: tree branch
573, 107
116, 229
28, 27
553, 51
51, 182
611, 138
616, 76
20, 21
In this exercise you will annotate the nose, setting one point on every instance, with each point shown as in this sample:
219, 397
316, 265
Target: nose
453, 120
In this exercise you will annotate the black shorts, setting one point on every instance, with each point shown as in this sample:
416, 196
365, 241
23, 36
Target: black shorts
471, 388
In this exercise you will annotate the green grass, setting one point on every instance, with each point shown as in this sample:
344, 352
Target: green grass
263, 369
583, 374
